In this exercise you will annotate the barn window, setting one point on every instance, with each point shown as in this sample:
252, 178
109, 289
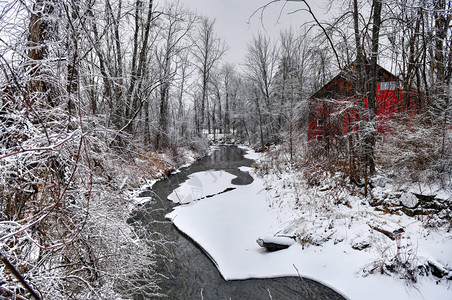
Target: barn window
319, 138
319, 122
388, 85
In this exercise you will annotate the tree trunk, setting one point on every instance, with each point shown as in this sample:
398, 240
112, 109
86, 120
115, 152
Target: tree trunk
261, 131
39, 32
138, 72
370, 131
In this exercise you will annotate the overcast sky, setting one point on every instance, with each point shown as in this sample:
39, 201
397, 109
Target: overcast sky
234, 25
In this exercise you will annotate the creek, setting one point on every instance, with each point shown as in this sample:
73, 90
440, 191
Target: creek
186, 271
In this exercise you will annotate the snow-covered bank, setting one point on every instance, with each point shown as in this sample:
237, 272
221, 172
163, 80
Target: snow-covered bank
336, 245
250, 153
160, 165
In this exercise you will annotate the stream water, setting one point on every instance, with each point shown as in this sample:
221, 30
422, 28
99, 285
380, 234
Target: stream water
189, 273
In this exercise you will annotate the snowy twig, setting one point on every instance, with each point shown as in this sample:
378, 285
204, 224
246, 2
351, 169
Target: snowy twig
13, 295
49, 148
19, 277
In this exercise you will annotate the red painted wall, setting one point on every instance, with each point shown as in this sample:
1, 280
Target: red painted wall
338, 115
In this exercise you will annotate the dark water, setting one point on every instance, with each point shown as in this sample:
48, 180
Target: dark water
187, 273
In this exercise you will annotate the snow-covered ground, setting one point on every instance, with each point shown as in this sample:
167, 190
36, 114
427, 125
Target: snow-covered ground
335, 242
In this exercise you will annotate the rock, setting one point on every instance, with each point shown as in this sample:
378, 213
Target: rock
409, 200
437, 269
379, 181
424, 198
361, 245
324, 188
338, 240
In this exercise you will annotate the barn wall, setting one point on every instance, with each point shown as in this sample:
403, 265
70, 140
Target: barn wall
325, 114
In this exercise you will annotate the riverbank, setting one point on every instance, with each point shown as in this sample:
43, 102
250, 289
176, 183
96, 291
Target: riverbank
338, 241
185, 270
159, 165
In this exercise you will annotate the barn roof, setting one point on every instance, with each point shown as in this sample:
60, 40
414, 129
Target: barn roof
342, 85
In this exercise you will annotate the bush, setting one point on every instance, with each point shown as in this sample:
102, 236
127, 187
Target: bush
416, 150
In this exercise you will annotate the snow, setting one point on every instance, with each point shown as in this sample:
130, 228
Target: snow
245, 169
251, 154
227, 225
214, 148
200, 185
434, 190
280, 240
135, 195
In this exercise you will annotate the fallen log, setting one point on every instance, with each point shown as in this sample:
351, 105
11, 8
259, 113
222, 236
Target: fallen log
392, 235
275, 243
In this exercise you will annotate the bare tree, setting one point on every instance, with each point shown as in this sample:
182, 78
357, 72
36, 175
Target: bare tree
207, 51
139, 60
58, 223
260, 66
230, 90
175, 26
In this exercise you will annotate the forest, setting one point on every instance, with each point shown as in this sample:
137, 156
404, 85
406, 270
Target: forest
101, 97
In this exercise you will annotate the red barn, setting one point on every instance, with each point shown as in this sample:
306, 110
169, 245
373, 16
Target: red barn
333, 108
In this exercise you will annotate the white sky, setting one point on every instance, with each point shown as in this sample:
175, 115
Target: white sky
232, 18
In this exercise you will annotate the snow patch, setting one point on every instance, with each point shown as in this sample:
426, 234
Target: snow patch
250, 153
245, 169
201, 184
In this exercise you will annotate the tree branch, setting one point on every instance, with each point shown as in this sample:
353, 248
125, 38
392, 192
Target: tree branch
309, 10
19, 276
